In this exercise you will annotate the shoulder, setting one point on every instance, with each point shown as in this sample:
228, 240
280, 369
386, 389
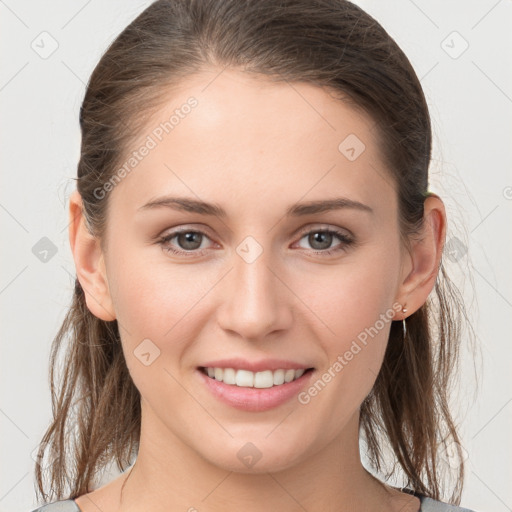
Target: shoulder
431, 505
59, 506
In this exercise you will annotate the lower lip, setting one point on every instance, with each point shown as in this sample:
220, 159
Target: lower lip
255, 399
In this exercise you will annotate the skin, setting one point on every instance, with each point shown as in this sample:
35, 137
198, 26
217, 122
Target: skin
255, 148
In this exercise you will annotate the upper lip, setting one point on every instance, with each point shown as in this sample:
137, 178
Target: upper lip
255, 366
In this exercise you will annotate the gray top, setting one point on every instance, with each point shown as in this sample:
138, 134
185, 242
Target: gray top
59, 506
427, 505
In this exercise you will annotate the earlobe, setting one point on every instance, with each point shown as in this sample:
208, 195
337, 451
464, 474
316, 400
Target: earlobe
425, 255
89, 262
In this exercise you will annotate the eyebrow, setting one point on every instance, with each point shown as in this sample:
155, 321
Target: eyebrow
296, 210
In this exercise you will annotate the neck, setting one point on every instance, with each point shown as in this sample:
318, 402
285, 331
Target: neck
169, 475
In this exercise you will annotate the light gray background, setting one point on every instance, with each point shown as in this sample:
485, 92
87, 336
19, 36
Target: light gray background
470, 97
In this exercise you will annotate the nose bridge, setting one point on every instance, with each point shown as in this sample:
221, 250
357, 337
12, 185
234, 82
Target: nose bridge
254, 299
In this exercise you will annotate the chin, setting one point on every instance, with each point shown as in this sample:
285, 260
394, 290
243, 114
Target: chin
254, 458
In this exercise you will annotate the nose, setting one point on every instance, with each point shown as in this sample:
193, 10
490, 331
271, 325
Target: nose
255, 300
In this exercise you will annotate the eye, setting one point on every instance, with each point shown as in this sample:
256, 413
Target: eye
321, 239
190, 242
188, 239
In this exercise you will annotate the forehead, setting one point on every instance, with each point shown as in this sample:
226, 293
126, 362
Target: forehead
224, 134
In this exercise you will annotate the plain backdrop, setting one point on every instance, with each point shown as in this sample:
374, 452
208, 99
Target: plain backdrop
461, 50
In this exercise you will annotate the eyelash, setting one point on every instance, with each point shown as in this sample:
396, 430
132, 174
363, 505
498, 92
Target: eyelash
344, 238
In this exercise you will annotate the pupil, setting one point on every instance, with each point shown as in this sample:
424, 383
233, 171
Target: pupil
318, 237
189, 239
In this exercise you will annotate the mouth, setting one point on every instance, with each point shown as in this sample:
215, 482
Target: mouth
254, 391
259, 380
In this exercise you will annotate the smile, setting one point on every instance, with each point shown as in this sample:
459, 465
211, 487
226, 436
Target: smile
249, 379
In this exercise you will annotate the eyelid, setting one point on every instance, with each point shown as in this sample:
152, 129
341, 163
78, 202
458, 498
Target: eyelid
323, 227
184, 228
346, 240
205, 230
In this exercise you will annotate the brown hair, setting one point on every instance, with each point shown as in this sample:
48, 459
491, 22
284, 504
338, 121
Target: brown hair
328, 43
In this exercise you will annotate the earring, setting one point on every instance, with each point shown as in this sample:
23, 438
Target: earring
404, 327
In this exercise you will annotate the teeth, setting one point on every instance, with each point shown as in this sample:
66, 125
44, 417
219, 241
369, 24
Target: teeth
248, 379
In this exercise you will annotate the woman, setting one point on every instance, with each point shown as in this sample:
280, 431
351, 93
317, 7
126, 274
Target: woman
259, 271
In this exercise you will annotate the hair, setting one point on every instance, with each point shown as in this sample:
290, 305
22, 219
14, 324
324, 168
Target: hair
327, 43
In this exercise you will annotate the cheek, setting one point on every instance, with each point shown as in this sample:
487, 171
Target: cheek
349, 297
165, 303
157, 307
352, 309
153, 297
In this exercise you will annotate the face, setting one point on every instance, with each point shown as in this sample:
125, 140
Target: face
263, 277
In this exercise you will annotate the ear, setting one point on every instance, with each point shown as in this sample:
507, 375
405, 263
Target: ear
89, 262
422, 264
